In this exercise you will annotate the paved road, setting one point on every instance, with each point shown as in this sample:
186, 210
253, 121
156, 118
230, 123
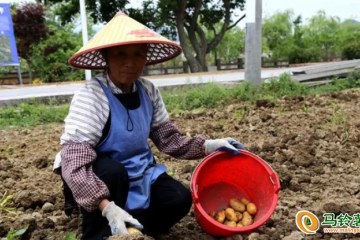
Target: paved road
55, 90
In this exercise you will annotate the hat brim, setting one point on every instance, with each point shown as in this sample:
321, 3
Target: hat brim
123, 30
158, 51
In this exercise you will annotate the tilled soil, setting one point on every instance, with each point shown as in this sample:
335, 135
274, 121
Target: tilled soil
312, 143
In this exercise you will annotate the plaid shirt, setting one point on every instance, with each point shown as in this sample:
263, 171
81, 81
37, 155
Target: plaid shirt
81, 136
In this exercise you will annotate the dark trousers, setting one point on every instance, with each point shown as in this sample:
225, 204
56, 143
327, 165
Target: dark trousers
170, 202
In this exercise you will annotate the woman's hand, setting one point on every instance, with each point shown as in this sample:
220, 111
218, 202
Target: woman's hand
227, 144
117, 218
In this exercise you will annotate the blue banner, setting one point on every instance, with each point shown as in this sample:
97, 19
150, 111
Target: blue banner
8, 50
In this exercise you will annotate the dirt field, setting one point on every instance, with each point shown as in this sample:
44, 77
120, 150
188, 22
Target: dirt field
312, 142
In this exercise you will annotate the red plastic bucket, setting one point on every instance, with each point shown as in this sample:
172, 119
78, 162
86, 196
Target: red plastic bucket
221, 176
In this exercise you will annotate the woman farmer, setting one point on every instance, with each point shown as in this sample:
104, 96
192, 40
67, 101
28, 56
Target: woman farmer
106, 161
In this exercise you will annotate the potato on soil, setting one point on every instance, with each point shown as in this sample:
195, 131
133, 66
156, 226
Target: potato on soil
247, 219
133, 230
237, 205
220, 217
245, 201
251, 208
230, 223
231, 215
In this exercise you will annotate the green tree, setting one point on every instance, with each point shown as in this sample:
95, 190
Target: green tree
323, 34
277, 31
175, 19
231, 46
350, 43
98, 10
49, 57
300, 51
29, 28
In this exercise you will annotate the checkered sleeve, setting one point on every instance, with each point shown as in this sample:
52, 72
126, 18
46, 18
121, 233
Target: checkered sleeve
169, 140
88, 190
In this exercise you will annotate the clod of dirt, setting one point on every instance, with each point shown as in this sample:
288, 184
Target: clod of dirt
191, 226
253, 236
304, 179
268, 147
265, 117
289, 137
47, 223
264, 103
37, 215
25, 132
74, 223
285, 180
235, 237
338, 208
269, 223
59, 220
28, 199
289, 154
254, 149
344, 96
295, 186
4, 175
230, 108
187, 169
22, 145
304, 160
295, 235
41, 162
22, 199
5, 164
130, 237
47, 207
299, 98
28, 221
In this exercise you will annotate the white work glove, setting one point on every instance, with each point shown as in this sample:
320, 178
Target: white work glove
117, 218
227, 144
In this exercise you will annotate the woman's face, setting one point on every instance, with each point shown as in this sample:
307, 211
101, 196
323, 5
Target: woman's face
126, 63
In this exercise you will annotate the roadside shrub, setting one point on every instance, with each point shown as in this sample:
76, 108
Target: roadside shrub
50, 58
352, 50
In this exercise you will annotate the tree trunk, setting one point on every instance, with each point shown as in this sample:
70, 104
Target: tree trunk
195, 66
215, 55
190, 23
202, 61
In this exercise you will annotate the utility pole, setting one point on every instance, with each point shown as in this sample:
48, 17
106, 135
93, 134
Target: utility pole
253, 43
84, 32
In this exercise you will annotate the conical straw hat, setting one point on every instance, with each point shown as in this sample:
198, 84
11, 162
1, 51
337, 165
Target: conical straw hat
122, 30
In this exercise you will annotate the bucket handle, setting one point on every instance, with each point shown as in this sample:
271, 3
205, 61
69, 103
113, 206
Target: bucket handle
274, 178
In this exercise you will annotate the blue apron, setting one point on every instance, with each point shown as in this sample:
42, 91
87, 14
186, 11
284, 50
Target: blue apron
130, 148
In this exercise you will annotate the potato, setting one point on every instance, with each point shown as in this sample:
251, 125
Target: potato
247, 219
212, 214
251, 208
245, 201
239, 224
133, 230
237, 205
230, 223
230, 215
239, 216
220, 217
